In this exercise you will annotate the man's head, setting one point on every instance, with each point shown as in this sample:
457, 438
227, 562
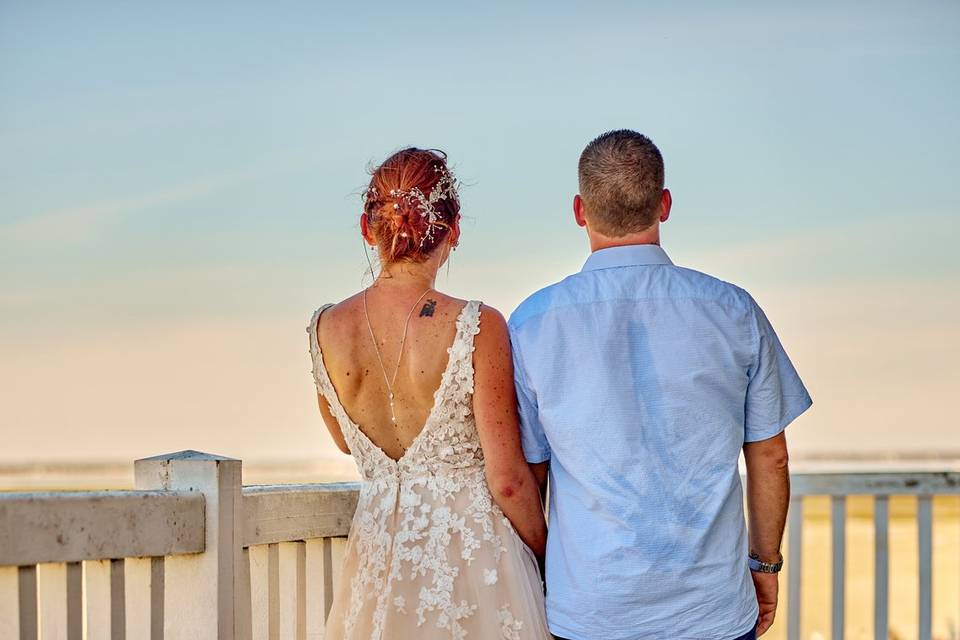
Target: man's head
621, 187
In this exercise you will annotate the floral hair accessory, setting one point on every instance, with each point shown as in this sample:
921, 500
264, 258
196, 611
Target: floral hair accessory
446, 188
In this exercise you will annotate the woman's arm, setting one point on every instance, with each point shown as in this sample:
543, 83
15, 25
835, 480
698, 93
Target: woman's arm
511, 481
332, 425
328, 419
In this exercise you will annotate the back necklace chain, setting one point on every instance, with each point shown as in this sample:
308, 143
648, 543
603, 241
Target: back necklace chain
406, 325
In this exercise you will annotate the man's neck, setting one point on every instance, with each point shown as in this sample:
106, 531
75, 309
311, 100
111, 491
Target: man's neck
648, 236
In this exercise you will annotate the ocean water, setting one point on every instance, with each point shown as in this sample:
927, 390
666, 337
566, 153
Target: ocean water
816, 596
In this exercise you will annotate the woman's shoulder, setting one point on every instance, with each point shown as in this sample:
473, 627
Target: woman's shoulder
345, 307
486, 314
334, 317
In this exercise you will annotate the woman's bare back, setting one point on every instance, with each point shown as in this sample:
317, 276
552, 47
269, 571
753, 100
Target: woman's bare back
356, 373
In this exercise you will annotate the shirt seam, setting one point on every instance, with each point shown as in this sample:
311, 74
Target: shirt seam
517, 325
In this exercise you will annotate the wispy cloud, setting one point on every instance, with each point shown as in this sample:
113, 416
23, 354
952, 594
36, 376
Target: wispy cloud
85, 220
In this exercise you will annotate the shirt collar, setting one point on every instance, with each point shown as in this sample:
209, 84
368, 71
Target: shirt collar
626, 256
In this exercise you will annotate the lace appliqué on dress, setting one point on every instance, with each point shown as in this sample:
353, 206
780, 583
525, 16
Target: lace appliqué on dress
426, 517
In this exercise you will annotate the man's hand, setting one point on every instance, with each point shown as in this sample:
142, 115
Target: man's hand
767, 588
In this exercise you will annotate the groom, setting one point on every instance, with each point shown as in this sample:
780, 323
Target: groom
639, 383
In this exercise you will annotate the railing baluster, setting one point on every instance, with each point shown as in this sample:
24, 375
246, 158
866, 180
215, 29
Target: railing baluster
74, 601
327, 576
291, 582
338, 547
244, 606
157, 580
313, 590
301, 561
118, 599
29, 626
925, 547
259, 591
838, 524
273, 591
795, 570
881, 563
96, 599
9, 605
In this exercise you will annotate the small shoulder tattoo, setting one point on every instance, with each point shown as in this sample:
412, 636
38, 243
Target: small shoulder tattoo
428, 308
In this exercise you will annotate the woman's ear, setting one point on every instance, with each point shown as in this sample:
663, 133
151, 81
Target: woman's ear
365, 230
455, 232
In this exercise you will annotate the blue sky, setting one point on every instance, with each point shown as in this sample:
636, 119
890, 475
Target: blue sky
179, 189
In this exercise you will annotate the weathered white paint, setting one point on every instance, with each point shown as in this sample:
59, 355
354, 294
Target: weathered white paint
71, 526
282, 585
9, 603
201, 588
281, 513
843, 484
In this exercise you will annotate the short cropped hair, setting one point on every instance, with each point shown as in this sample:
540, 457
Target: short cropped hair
621, 182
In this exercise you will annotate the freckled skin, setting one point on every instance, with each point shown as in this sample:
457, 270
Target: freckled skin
346, 346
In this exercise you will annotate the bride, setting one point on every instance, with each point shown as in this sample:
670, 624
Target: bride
418, 386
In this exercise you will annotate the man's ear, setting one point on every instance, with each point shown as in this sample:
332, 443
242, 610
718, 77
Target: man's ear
666, 203
578, 211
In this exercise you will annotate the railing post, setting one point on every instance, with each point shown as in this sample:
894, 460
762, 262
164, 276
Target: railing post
199, 594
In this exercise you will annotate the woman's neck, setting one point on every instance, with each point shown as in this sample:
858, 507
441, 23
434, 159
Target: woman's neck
407, 275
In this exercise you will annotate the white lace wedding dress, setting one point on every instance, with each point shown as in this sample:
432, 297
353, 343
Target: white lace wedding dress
430, 555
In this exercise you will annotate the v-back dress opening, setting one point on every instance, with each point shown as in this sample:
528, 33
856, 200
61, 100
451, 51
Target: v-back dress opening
430, 555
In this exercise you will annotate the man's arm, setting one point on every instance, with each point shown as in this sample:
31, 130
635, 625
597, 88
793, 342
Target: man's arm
768, 496
540, 471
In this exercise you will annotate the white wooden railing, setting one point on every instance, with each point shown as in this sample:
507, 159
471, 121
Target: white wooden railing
193, 554
190, 553
881, 486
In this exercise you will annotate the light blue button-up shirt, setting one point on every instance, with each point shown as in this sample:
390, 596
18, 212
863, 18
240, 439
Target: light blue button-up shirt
640, 381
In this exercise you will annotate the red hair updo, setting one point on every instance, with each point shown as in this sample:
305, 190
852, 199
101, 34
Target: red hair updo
411, 204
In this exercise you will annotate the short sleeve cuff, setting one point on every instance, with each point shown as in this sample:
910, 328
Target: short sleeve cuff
535, 457
795, 408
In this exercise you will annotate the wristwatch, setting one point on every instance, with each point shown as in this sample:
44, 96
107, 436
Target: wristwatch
765, 567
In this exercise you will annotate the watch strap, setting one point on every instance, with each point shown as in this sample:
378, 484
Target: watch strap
756, 564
